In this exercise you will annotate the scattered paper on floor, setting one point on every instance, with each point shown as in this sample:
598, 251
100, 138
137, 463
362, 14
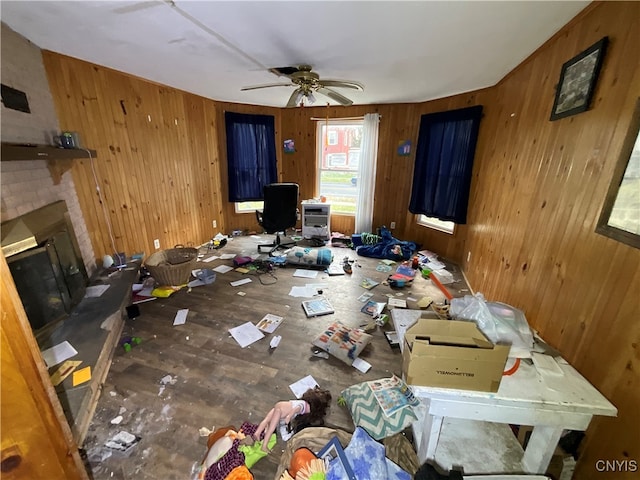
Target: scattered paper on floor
298, 388
58, 353
223, 269
81, 376
361, 365
246, 334
305, 273
181, 317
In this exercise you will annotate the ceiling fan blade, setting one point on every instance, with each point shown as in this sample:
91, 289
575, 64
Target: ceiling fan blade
295, 97
333, 95
343, 84
266, 85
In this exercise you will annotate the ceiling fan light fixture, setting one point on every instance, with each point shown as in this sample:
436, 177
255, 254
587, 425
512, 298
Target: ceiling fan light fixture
311, 98
308, 82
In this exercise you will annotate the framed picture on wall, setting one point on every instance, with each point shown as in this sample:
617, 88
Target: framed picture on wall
578, 80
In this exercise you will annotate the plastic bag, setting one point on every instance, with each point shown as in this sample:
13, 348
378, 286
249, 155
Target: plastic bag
501, 323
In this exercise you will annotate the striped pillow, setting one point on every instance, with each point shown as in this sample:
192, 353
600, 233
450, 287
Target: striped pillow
366, 413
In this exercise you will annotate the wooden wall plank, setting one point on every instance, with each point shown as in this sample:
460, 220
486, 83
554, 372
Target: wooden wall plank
153, 165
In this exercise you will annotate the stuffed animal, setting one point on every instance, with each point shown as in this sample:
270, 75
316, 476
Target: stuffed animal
219, 443
231, 453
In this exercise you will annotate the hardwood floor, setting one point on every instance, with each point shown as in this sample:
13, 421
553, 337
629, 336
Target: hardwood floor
214, 382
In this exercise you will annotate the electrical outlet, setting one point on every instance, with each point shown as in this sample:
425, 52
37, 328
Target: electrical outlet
156, 243
393, 225
215, 224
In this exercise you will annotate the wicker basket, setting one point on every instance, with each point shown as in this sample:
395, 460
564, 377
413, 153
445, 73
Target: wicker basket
172, 266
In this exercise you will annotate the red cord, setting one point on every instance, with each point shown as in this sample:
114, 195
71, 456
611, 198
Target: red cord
513, 369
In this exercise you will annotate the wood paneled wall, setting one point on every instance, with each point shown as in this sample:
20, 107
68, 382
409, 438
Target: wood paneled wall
161, 159
537, 191
394, 173
538, 188
157, 162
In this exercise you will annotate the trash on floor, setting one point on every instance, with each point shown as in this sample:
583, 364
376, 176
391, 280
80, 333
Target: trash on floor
117, 420
269, 323
122, 441
167, 379
81, 376
275, 341
64, 371
246, 334
181, 317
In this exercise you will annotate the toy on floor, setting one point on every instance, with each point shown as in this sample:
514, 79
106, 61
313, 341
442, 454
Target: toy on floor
305, 465
130, 342
346, 265
231, 454
292, 415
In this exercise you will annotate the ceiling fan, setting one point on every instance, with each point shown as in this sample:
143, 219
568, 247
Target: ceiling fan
307, 82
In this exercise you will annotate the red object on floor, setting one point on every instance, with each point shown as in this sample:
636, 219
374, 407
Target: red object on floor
435, 280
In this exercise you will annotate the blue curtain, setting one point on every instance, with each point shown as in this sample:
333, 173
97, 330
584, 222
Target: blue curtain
251, 155
444, 160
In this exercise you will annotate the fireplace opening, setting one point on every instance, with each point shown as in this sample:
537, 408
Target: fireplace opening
44, 259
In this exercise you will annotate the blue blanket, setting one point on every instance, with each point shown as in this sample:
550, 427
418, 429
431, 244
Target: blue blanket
367, 459
388, 247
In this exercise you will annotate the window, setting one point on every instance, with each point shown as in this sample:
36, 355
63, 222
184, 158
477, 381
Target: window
620, 217
249, 207
444, 162
431, 222
251, 155
338, 156
337, 159
354, 158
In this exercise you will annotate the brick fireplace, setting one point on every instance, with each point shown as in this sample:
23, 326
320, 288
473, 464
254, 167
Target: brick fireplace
51, 273
26, 186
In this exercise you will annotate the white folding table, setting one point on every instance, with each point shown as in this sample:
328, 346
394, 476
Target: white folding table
548, 403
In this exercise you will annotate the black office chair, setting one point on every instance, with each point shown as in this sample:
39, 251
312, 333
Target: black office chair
279, 213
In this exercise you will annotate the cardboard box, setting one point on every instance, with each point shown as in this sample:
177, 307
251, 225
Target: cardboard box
452, 354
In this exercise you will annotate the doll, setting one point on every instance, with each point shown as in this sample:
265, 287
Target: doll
293, 415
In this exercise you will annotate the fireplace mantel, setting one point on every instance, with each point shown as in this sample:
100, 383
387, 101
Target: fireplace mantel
59, 160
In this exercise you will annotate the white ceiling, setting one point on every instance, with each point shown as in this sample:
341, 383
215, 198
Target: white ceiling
400, 51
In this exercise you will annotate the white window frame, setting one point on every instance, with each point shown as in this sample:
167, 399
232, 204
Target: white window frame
436, 224
248, 207
320, 143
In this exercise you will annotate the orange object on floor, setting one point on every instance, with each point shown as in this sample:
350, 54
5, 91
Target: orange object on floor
240, 473
301, 458
442, 288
